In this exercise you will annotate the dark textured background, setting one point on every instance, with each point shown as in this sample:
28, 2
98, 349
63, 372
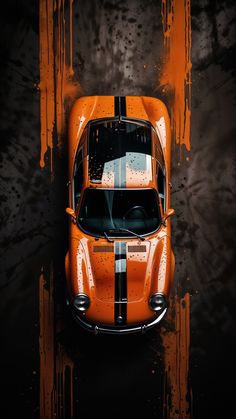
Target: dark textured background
118, 49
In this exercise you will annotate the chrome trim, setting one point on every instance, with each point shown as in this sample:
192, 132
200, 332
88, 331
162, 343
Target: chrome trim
137, 121
162, 295
81, 294
117, 330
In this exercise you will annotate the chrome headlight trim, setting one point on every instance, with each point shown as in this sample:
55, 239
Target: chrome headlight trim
81, 302
157, 302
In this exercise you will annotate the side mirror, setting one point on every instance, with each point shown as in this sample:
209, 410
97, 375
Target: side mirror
72, 214
168, 214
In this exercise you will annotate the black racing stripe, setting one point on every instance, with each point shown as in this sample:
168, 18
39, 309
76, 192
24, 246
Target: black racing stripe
122, 105
120, 309
120, 164
117, 105
119, 256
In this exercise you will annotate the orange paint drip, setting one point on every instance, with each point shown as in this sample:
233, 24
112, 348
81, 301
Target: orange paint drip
46, 85
176, 355
176, 74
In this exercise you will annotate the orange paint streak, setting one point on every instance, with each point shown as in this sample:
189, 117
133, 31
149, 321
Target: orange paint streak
54, 362
58, 87
176, 81
63, 386
176, 355
67, 88
63, 363
57, 90
46, 347
46, 85
176, 74
60, 68
71, 71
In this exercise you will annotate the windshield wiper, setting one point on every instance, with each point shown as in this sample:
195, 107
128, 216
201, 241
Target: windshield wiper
128, 231
108, 238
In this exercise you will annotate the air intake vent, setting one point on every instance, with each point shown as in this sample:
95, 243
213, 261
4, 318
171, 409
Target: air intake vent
103, 249
136, 249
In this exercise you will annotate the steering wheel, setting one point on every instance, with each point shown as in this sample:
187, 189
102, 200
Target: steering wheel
136, 207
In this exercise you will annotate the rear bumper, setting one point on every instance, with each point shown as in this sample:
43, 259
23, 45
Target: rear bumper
118, 330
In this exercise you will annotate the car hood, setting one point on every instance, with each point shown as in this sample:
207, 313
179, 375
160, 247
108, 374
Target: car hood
126, 269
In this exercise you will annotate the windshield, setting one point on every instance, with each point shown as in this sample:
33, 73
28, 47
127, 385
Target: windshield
103, 210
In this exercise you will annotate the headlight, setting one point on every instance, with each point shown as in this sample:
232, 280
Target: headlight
81, 302
157, 302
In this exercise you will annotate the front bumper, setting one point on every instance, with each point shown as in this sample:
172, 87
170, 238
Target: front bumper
118, 330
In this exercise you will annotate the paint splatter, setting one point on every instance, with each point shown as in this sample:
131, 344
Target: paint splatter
176, 72
58, 85
176, 341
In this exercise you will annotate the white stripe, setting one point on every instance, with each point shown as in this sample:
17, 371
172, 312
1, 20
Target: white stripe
120, 265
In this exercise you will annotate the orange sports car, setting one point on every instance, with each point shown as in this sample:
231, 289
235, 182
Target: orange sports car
120, 265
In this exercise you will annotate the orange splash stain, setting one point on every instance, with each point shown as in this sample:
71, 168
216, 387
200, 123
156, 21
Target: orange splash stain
176, 74
176, 343
46, 85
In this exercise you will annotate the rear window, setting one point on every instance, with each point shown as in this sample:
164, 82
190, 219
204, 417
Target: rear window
113, 140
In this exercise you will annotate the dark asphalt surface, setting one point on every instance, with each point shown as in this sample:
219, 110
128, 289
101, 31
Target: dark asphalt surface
118, 49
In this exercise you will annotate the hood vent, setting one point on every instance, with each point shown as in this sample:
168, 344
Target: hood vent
136, 249
103, 249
